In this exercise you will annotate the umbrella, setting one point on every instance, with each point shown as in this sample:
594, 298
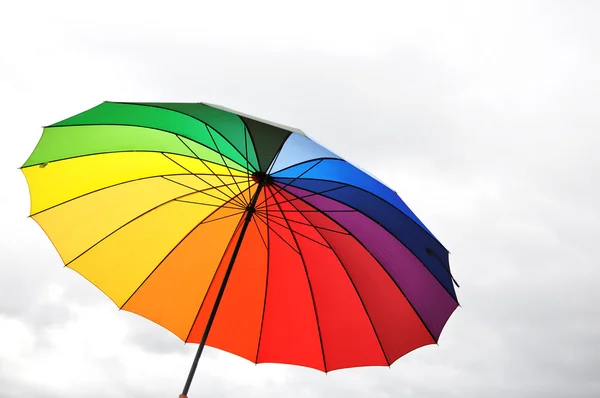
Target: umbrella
239, 233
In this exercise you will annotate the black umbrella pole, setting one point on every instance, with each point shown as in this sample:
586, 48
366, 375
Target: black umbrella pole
249, 212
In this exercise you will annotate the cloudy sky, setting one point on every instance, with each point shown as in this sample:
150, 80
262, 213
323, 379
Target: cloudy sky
482, 115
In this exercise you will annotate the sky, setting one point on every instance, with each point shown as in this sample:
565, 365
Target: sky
483, 116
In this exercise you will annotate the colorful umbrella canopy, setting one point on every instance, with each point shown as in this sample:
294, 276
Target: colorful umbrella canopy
175, 210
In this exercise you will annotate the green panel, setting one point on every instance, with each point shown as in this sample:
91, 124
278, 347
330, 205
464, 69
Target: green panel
209, 155
268, 140
227, 124
59, 143
221, 142
147, 115
143, 116
70, 141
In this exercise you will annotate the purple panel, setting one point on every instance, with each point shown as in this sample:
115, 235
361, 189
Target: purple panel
429, 298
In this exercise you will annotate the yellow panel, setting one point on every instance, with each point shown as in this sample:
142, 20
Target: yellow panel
225, 193
231, 190
197, 166
76, 225
60, 181
173, 294
119, 264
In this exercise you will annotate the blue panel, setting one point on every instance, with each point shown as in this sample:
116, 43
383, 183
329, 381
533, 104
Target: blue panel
297, 149
396, 222
301, 170
342, 171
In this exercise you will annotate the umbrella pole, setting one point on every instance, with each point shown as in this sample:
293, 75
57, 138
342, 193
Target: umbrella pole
249, 212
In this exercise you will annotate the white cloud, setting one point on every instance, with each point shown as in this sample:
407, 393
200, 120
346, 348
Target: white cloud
483, 116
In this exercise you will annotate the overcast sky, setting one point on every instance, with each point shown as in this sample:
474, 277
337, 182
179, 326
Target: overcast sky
482, 115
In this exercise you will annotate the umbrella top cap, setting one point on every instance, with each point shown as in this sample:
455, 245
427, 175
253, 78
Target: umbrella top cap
262, 177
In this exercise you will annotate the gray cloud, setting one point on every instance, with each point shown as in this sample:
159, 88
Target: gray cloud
483, 117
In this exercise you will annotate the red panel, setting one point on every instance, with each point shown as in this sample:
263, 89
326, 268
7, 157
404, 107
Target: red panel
306, 209
277, 221
290, 333
399, 328
348, 336
236, 328
296, 221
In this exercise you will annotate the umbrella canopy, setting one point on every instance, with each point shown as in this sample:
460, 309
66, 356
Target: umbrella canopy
176, 209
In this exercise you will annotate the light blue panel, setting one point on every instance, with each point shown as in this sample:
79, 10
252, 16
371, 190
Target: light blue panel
297, 149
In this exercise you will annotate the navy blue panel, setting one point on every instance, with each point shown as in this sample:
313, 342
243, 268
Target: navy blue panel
396, 222
342, 171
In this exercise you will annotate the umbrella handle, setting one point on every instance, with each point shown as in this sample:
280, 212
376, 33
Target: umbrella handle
249, 212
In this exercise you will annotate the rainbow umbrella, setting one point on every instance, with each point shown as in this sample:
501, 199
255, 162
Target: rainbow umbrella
239, 233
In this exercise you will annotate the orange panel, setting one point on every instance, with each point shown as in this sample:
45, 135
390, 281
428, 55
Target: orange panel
173, 293
238, 321
201, 320
203, 315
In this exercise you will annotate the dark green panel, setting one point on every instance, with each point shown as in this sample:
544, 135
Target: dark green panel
227, 124
267, 140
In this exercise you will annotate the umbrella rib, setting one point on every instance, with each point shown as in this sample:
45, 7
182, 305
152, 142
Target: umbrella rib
166, 177
260, 233
262, 320
353, 209
202, 179
203, 191
311, 291
208, 204
246, 133
208, 167
382, 267
127, 223
216, 146
304, 172
260, 217
278, 152
346, 185
299, 233
225, 165
304, 162
195, 118
355, 289
297, 197
203, 222
313, 211
312, 225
